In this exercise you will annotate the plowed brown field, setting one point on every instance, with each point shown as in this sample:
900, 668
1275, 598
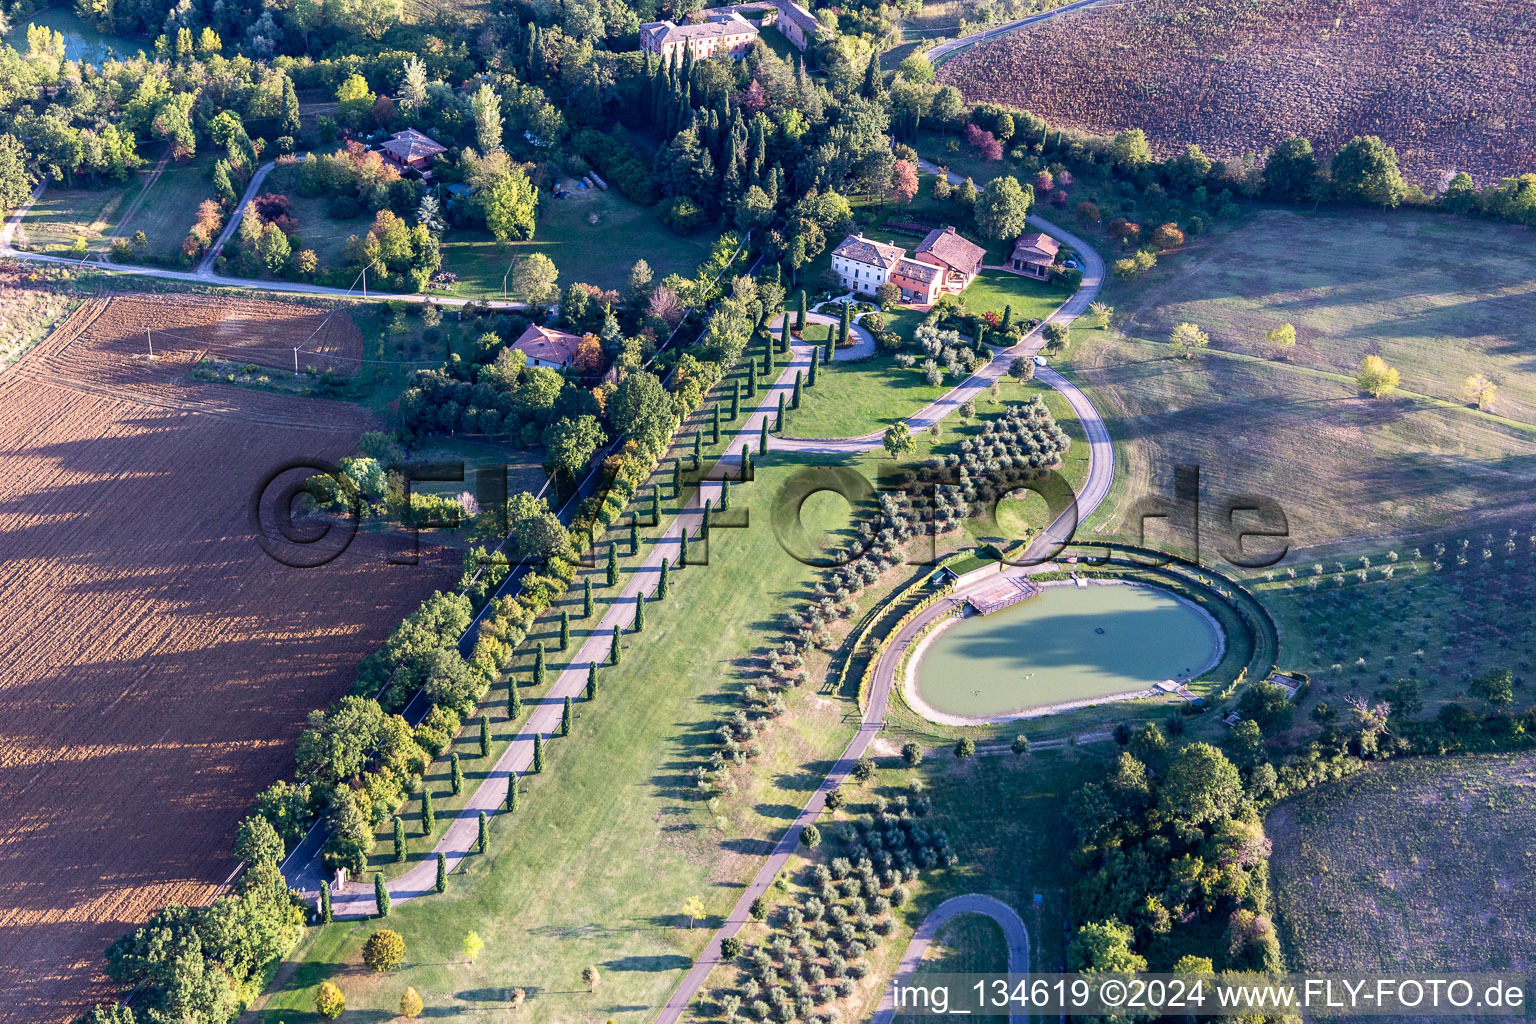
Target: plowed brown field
1449, 83
155, 664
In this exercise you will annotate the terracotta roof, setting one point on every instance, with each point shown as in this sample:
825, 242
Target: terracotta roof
791, 11
916, 271
412, 145
548, 345
954, 249
866, 250
661, 33
1036, 248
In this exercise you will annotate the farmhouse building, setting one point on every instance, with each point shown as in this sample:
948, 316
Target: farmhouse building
719, 35
411, 150
1034, 255
920, 283
956, 255
863, 265
796, 24
544, 346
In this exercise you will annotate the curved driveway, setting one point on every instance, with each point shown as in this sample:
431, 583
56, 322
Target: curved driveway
1006, 917
1101, 469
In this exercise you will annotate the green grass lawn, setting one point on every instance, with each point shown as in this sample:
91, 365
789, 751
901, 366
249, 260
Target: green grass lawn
1031, 300
967, 944
851, 399
167, 211
62, 215
612, 840
592, 236
317, 229
1413, 865
1343, 466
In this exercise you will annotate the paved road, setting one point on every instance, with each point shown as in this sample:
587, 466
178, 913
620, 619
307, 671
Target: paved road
938, 54
1101, 469
204, 274
1007, 918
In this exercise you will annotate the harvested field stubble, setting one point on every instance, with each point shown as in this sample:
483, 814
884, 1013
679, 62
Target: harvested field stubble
157, 665
1449, 83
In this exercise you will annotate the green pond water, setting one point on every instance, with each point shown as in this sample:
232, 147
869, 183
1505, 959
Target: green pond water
81, 41
1067, 644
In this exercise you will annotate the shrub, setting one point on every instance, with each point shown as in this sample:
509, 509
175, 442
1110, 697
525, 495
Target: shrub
329, 1002
384, 950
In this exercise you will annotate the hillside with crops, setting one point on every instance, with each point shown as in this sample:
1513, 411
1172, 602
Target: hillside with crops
1449, 83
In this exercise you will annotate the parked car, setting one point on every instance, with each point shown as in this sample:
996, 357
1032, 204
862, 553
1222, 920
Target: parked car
1039, 360
1072, 264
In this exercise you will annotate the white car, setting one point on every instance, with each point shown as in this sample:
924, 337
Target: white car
1039, 360
1071, 264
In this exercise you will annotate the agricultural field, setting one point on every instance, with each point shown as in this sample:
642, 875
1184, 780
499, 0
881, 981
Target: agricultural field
1444, 601
63, 219
152, 648
29, 307
1443, 82
1293, 425
1413, 865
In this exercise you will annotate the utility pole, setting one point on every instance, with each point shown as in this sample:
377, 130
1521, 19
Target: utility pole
510, 264
150, 342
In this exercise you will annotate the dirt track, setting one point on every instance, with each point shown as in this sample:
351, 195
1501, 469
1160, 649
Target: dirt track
156, 663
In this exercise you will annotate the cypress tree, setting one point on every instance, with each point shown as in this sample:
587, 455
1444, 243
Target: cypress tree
810, 380
485, 735
800, 312
656, 504
399, 840
783, 341
538, 664
565, 630
735, 398
752, 378
746, 463
428, 819
482, 840
592, 681
455, 774
778, 424
380, 894
1007, 320
682, 548
613, 565
639, 626
512, 791
698, 448
709, 509
565, 718
677, 477
762, 435
442, 873
725, 495
662, 582
794, 399
514, 700
538, 752
842, 330
325, 902
587, 604
714, 437
768, 345
615, 649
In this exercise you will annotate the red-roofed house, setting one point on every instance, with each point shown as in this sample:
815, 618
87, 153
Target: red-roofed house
920, 283
1033, 255
958, 256
411, 149
545, 346
863, 264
